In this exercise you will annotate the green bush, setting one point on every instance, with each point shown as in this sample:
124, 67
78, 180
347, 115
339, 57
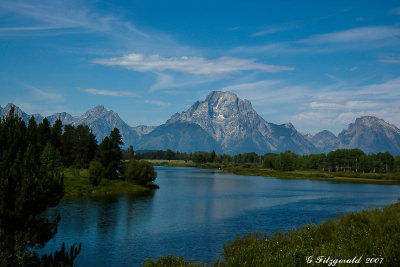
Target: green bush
140, 171
96, 171
170, 261
371, 233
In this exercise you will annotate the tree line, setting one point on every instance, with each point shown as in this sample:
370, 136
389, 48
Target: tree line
340, 160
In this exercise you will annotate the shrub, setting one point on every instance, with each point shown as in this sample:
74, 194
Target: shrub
140, 171
96, 171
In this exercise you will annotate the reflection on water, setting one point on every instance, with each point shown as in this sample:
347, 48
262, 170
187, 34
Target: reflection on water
196, 211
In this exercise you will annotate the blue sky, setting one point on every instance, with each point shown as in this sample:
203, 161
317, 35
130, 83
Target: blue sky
317, 64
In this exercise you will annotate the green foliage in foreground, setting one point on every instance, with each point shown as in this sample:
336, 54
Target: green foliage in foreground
170, 260
371, 233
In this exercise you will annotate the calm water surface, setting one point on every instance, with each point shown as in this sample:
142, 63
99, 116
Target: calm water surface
195, 212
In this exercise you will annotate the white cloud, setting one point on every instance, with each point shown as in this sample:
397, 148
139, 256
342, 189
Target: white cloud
44, 95
314, 108
48, 17
156, 102
109, 92
335, 108
269, 30
396, 11
251, 86
349, 105
362, 34
269, 92
192, 65
391, 59
167, 81
355, 39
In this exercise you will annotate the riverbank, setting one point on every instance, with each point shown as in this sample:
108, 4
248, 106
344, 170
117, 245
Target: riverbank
256, 170
77, 184
363, 238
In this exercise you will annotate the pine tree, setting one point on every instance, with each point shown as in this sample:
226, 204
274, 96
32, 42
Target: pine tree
44, 133
84, 146
67, 141
55, 134
110, 154
27, 189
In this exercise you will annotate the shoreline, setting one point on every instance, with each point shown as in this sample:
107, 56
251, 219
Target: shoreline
340, 177
77, 185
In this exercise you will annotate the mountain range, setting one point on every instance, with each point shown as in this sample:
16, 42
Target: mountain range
227, 124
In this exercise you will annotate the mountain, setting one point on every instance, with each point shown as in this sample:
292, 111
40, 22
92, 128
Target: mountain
25, 117
371, 135
143, 130
64, 117
237, 127
325, 141
227, 124
101, 121
179, 136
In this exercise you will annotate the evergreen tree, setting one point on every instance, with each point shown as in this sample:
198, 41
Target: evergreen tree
169, 154
67, 141
212, 156
44, 133
55, 134
32, 136
105, 155
27, 189
84, 146
51, 159
109, 154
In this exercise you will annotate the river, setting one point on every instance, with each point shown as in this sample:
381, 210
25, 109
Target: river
196, 211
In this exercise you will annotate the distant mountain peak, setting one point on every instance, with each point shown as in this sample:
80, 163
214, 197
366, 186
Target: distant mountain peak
9, 105
97, 109
372, 135
234, 124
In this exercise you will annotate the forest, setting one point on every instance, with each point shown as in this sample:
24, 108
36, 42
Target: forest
340, 160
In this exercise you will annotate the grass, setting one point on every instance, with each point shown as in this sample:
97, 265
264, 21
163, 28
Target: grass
373, 233
256, 170
353, 177
77, 185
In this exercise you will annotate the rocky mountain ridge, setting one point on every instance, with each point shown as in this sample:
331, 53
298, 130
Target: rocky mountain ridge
228, 124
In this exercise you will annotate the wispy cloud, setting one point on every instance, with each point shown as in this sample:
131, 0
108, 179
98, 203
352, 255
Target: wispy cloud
269, 30
333, 106
46, 17
157, 103
109, 92
396, 11
391, 59
337, 108
354, 39
269, 91
362, 34
168, 81
264, 84
192, 65
44, 95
